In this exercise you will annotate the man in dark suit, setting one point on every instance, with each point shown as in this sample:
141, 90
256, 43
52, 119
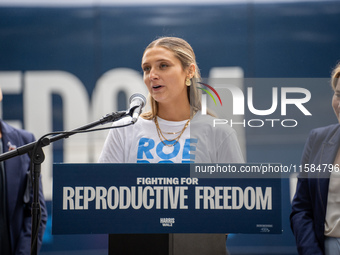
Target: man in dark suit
16, 195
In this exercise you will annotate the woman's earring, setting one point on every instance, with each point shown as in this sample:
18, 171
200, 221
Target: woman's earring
188, 82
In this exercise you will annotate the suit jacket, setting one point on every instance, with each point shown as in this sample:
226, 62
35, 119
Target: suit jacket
310, 200
19, 211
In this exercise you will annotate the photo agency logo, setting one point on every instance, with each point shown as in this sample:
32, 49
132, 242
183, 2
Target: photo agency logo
204, 96
278, 103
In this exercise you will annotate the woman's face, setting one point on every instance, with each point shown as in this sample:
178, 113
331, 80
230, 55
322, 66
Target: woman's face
164, 76
336, 100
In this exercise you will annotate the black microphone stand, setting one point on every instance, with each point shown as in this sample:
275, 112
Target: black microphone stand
37, 158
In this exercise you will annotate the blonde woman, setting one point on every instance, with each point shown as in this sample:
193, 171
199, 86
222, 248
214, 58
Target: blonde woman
174, 130
315, 217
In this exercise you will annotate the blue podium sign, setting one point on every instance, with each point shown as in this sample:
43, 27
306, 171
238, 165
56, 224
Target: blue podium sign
160, 198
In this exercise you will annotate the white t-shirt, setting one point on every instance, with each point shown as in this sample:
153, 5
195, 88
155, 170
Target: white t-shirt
201, 142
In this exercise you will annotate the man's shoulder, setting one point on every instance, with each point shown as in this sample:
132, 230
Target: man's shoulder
12, 131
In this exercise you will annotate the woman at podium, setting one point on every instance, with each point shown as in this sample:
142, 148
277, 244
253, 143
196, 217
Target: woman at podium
174, 130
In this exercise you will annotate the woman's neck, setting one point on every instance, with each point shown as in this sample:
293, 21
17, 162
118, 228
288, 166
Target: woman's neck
175, 112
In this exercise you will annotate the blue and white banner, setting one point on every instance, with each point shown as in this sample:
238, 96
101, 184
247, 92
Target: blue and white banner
160, 198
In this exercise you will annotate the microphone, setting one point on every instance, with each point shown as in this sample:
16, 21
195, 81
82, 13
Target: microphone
137, 102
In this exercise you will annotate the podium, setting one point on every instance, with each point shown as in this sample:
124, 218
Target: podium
134, 243
172, 244
161, 207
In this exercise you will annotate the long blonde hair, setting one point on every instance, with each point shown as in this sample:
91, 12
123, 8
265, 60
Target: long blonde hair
335, 76
184, 52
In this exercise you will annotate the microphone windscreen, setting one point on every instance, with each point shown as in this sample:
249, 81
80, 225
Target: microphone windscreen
137, 96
